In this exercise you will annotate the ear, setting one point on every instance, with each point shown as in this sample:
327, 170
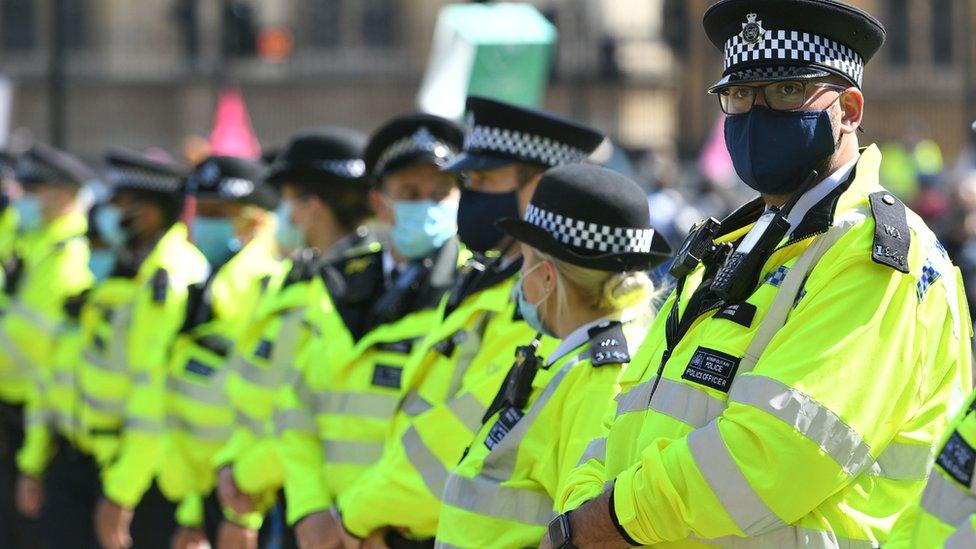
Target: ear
380, 207
852, 110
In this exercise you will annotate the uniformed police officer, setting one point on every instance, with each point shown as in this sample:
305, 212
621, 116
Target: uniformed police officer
125, 391
590, 289
333, 421
506, 150
793, 388
49, 265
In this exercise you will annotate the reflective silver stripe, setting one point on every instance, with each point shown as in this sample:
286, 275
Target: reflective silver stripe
424, 461
808, 417
20, 361
35, 318
635, 399
686, 403
206, 394
254, 426
963, 538
353, 452
356, 404
746, 509
898, 461
265, 377
204, 432
63, 378
96, 403
141, 378
946, 500
596, 449
790, 536
143, 424
485, 496
118, 342
36, 418
469, 410
294, 420
414, 404
283, 352
438, 544
93, 359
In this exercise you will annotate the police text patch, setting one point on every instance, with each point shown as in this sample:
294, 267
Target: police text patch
387, 376
197, 367
264, 349
712, 368
740, 313
958, 459
506, 422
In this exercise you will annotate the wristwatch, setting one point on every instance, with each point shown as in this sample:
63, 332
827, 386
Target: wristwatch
561, 533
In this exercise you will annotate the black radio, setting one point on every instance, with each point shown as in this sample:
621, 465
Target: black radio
699, 247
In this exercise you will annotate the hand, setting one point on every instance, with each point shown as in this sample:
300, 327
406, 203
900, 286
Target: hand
230, 495
376, 540
30, 496
546, 543
235, 536
349, 541
190, 538
318, 531
112, 525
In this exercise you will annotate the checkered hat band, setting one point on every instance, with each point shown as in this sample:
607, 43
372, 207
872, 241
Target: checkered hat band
524, 146
30, 170
796, 46
409, 146
350, 168
141, 179
590, 236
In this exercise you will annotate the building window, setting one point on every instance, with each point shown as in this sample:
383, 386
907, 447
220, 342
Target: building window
942, 27
897, 26
324, 23
19, 32
379, 29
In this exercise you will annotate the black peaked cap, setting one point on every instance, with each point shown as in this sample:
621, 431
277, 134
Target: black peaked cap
129, 170
331, 155
232, 179
45, 164
410, 140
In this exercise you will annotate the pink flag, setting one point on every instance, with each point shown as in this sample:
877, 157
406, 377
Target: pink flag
232, 133
714, 160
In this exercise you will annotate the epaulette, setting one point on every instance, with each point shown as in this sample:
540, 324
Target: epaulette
892, 237
160, 285
304, 265
73, 304
608, 345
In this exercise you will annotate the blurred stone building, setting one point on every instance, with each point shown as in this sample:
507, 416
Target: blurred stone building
144, 72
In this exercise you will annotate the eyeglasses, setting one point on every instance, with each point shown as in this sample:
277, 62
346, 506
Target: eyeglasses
782, 96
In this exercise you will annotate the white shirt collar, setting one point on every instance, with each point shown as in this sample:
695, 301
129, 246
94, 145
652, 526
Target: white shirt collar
578, 337
812, 197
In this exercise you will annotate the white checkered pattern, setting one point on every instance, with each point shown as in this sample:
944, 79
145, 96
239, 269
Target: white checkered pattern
590, 236
527, 147
777, 277
349, 168
422, 141
142, 179
786, 45
29, 169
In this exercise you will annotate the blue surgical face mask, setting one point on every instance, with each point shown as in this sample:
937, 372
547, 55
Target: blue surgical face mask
423, 226
216, 239
108, 224
28, 213
774, 152
288, 235
101, 263
530, 311
477, 213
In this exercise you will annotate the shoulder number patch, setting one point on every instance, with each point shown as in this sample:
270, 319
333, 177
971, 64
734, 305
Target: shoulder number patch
608, 344
892, 237
387, 376
958, 459
740, 313
712, 368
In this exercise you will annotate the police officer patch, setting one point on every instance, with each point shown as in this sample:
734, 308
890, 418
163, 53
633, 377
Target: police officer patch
712, 368
505, 423
387, 376
958, 459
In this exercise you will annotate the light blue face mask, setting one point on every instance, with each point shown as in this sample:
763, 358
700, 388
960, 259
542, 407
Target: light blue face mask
530, 311
101, 263
216, 239
28, 213
422, 226
288, 235
108, 223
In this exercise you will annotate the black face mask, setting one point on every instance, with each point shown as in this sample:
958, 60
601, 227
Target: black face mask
477, 214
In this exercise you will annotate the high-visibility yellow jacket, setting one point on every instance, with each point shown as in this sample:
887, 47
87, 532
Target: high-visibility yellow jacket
448, 384
53, 267
143, 344
199, 417
8, 239
501, 493
946, 514
332, 422
826, 437
53, 409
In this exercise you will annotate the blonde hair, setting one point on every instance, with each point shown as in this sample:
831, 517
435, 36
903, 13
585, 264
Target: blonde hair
607, 292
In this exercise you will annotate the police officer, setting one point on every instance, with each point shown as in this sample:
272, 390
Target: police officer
127, 388
348, 396
49, 265
506, 150
589, 289
321, 177
234, 227
792, 389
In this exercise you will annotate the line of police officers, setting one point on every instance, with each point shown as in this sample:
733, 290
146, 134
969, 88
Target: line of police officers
327, 342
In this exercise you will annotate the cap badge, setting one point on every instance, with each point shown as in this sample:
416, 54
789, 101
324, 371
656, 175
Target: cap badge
752, 30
